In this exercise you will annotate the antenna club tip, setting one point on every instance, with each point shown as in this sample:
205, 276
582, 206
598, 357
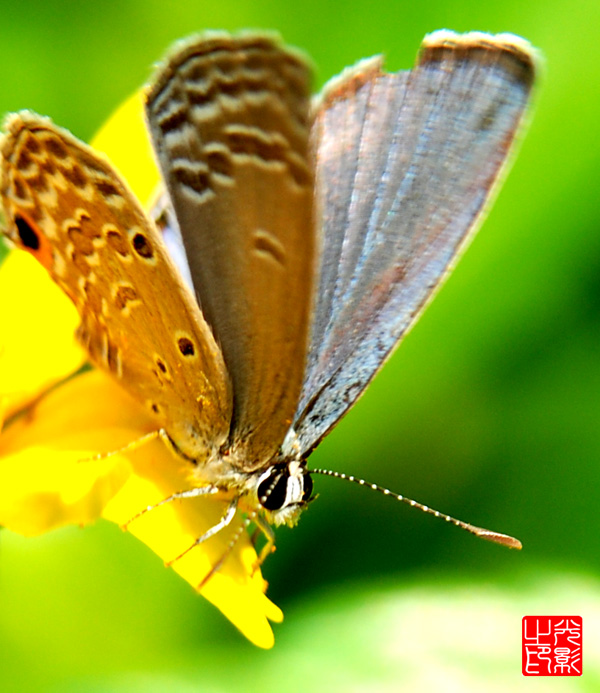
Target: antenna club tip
497, 538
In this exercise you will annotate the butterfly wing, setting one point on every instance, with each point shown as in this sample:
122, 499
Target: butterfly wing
229, 117
68, 207
405, 165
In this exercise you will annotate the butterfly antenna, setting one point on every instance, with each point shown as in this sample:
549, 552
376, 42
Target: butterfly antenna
486, 534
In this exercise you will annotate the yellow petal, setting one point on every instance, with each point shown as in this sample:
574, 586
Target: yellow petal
47, 479
124, 139
37, 343
43, 481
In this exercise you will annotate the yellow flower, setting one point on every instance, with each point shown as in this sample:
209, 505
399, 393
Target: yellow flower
57, 424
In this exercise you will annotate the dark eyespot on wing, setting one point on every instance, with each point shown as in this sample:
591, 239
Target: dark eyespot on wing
28, 236
186, 346
142, 246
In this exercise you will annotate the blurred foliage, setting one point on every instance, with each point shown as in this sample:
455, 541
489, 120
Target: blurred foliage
489, 410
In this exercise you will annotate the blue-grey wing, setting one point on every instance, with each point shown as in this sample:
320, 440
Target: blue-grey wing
405, 164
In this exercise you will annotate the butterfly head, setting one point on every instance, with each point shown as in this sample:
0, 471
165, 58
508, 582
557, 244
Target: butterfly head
283, 491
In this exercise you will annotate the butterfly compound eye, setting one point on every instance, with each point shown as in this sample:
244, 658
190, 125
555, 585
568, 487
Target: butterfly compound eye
284, 488
272, 491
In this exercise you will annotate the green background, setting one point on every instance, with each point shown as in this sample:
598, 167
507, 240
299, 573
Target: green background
489, 411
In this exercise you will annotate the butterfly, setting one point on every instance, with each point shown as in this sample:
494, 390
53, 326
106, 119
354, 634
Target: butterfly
315, 232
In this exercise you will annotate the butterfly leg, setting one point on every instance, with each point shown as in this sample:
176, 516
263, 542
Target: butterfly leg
269, 546
234, 540
190, 493
134, 445
221, 524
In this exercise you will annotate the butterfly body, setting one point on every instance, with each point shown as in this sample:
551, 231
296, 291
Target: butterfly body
315, 236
